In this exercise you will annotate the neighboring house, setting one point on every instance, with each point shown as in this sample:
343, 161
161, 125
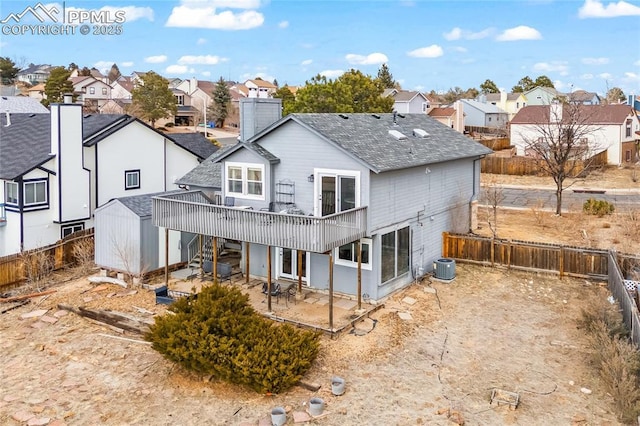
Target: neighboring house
483, 114
35, 74
91, 92
634, 102
57, 168
37, 92
121, 88
407, 101
509, 102
542, 96
115, 106
136, 77
610, 127
233, 117
127, 241
186, 114
21, 104
312, 188
583, 97
260, 89
449, 116
200, 94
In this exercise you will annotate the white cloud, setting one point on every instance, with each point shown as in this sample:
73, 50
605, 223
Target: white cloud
595, 61
631, 75
432, 51
179, 69
460, 49
521, 32
557, 66
586, 76
596, 9
207, 14
559, 85
637, 63
127, 64
306, 62
201, 60
605, 75
201, 41
283, 24
458, 33
103, 66
158, 59
370, 59
252, 76
206, 73
454, 34
331, 73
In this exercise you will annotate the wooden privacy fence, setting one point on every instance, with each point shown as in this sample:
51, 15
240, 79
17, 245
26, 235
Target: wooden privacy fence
60, 255
527, 256
496, 144
627, 304
521, 166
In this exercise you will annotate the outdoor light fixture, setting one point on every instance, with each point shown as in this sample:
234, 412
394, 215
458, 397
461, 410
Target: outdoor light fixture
310, 178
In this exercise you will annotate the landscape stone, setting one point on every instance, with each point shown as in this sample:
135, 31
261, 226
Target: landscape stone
409, 300
39, 421
38, 325
57, 423
34, 314
586, 391
60, 313
22, 416
406, 316
50, 320
301, 417
429, 290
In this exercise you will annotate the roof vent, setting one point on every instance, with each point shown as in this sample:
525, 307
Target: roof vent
420, 133
397, 135
345, 117
375, 116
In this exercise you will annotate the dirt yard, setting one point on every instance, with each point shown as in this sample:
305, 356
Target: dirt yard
488, 329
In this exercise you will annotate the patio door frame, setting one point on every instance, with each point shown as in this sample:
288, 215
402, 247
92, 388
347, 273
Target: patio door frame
294, 265
319, 174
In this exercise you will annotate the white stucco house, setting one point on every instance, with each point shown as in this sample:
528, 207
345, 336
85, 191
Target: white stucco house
608, 127
56, 168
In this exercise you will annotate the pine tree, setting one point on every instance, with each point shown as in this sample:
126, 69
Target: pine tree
57, 85
386, 78
221, 99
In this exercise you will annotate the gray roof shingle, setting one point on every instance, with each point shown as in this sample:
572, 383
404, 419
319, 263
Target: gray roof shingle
367, 138
141, 205
21, 104
196, 143
25, 144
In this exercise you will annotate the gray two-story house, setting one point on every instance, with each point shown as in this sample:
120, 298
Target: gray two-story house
315, 190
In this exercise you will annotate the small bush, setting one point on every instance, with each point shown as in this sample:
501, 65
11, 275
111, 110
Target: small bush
597, 207
219, 333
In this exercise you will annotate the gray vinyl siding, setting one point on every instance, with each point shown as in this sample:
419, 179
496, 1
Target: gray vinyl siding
300, 152
247, 156
441, 205
117, 225
149, 243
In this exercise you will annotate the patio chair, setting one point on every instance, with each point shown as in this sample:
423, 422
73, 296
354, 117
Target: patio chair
276, 290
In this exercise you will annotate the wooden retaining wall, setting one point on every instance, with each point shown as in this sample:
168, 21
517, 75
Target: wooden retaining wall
60, 254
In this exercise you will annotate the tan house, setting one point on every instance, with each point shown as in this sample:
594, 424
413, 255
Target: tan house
37, 92
509, 102
449, 116
260, 88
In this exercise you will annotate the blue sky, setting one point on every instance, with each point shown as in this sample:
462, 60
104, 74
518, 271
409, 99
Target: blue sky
579, 44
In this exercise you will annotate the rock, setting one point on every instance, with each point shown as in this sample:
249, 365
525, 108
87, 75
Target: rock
301, 417
586, 391
60, 314
571, 382
578, 418
57, 423
456, 417
39, 421
406, 316
409, 301
22, 416
34, 314
429, 290
50, 320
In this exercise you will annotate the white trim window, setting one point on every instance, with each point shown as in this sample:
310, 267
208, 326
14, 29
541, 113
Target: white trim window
347, 255
11, 193
394, 254
131, 179
245, 180
335, 191
35, 193
67, 230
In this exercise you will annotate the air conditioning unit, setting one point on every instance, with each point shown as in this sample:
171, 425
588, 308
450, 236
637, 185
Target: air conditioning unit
444, 269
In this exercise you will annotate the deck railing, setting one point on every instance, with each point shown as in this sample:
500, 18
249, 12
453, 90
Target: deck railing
297, 232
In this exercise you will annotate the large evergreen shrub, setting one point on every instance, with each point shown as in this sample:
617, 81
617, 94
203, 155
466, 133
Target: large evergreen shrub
219, 333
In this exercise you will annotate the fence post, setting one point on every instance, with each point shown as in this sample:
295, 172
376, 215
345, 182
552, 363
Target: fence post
493, 255
508, 254
561, 261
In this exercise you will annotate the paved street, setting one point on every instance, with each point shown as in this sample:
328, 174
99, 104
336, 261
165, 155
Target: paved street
572, 198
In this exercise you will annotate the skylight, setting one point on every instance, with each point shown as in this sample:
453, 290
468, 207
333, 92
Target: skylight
397, 135
420, 133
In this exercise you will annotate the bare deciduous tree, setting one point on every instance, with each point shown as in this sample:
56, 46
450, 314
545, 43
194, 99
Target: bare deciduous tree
494, 196
564, 140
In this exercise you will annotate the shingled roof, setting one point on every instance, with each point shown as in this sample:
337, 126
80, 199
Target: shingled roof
366, 137
593, 114
26, 143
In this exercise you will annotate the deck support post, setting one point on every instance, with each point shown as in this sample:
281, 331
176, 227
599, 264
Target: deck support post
299, 271
246, 262
269, 278
166, 257
359, 251
214, 260
331, 290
